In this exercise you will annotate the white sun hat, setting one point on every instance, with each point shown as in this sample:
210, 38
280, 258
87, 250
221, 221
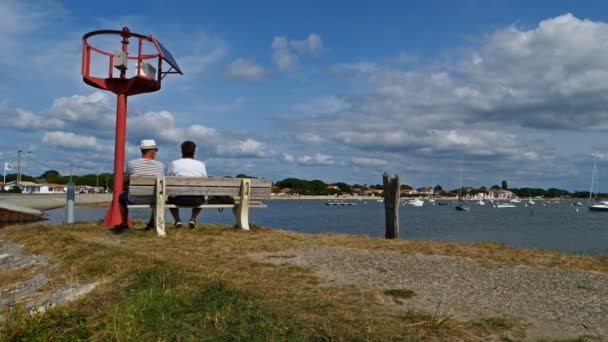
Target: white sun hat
148, 144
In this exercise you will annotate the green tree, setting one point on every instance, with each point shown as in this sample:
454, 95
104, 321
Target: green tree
503, 185
438, 188
406, 187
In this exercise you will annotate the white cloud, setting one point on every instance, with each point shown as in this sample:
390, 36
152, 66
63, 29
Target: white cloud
283, 58
203, 51
323, 105
372, 162
316, 159
71, 140
244, 69
310, 138
285, 52
289, 157
243, 148
312, 45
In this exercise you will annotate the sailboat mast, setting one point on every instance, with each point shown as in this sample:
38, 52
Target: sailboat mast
592, 180
460, 182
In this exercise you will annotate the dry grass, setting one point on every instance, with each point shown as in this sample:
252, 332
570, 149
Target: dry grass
213, 260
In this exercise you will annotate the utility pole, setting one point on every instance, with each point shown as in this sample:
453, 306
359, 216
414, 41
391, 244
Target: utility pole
18, 167
71, 168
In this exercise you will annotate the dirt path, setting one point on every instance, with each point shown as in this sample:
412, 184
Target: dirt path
555, 303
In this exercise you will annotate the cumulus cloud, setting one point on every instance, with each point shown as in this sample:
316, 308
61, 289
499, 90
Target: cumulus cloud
312, 45
245, 69
243, 148
70, 140
371, 162
285, 52
282, 56
548, 77
317, 159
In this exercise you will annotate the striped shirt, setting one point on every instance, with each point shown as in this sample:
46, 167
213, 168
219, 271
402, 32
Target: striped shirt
145, 167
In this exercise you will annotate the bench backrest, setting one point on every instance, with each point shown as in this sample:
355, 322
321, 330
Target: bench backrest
203, 186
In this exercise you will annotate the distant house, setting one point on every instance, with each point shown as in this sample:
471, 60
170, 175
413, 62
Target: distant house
500, 194
377, 191
425, 191
333, 187
27, 187
409, 191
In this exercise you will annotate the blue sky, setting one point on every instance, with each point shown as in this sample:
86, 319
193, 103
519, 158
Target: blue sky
337, 91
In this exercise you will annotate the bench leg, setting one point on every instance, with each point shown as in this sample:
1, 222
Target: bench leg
159, 207
241, 212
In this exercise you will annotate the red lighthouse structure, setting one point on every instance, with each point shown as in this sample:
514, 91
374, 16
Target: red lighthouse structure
151, 63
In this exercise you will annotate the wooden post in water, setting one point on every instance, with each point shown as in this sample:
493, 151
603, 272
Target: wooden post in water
392, 191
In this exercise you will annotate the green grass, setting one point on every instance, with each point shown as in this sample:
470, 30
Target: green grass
159, 309
57, 324
160, 306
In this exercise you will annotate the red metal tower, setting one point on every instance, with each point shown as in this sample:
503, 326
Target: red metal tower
145, 78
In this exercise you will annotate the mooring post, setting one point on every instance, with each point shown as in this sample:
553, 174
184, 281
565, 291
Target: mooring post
391, 205
71, 196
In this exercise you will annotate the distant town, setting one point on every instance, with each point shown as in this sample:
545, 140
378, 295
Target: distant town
52, 181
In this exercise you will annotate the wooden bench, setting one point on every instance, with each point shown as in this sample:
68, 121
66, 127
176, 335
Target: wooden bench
156, 190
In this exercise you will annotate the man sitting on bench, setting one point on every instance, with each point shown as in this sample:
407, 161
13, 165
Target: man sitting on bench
186, 166
144, 166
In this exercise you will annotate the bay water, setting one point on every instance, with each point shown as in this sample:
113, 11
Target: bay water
562, 226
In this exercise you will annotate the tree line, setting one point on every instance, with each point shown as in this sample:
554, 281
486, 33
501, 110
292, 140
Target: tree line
311, 187
318, 187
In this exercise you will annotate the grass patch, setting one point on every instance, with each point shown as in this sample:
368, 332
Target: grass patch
158, 308
57, 324
400, 293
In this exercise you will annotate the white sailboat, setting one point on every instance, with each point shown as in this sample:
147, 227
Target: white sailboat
416, 202
599, 205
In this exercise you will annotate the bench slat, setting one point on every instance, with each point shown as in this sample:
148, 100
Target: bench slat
200, 181
212, 191
216, 181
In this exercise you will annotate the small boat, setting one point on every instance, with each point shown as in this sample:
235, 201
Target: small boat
442, 203
461, 206
416, 202
515, 200
481, 202
600, 206
341, 203
505, 205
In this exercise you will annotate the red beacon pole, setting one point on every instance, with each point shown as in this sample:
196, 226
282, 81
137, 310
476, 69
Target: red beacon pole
145, 78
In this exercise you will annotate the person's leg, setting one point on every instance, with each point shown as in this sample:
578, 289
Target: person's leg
175, 214
123, 199
195, 212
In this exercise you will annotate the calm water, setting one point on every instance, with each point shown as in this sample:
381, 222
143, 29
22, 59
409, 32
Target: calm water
555, 226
